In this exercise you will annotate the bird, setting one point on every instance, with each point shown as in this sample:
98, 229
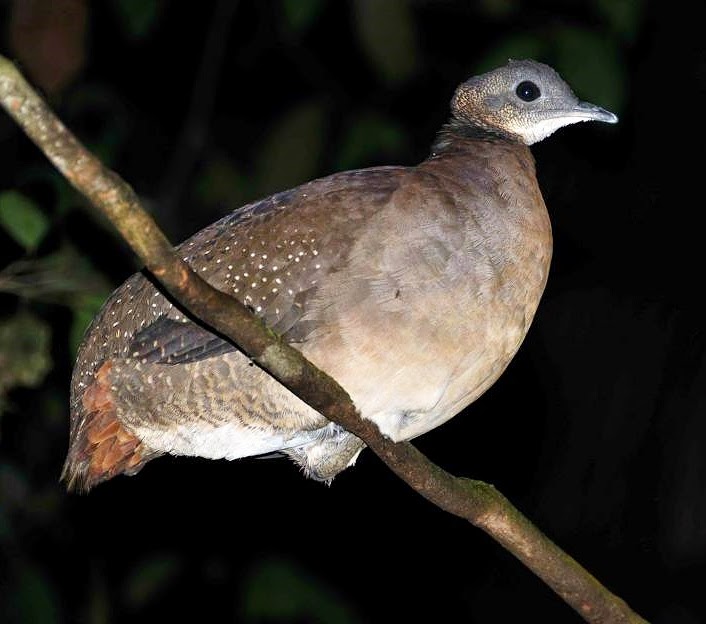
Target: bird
413, 287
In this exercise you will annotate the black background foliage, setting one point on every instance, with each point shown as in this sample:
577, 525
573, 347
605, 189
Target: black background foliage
596, 430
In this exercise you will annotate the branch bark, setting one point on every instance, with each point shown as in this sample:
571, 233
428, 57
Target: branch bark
479, 503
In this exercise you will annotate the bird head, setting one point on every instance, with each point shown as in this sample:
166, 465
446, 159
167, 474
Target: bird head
524, 100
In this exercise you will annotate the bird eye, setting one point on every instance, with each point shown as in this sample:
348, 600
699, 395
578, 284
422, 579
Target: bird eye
527, 91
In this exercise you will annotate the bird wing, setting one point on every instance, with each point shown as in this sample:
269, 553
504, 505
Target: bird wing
167, 341
273, 254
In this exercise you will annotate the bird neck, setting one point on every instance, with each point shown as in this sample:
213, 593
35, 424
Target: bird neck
458, 131
487, 162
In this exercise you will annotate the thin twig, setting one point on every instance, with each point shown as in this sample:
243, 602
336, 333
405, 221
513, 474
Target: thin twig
479, 503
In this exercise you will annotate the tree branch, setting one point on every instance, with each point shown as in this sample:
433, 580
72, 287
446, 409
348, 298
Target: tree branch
479, 503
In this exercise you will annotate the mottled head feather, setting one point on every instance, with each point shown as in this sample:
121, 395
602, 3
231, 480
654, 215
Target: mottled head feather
523, 100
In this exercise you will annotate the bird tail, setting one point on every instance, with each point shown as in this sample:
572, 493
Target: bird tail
100, 447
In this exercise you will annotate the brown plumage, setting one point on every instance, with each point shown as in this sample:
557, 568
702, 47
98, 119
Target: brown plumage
106, 448
413, 287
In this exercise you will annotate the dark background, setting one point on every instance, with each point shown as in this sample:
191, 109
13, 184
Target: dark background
597, 429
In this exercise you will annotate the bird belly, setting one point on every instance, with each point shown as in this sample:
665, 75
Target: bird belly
227, 441
426, 401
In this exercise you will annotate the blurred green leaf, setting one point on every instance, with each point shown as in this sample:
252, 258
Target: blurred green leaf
300, 14
84, 312
110, 127
277, 590
149, 578
367, 136
15, 489
219, 183
592, 65
25, 357
624, 16
63, 195
291, 152
98, 608
498, 8
21, 218
138, 16
515, 47
61, 277
387, 33
32, 598
5, 526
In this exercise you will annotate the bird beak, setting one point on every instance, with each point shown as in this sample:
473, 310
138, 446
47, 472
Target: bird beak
589, 111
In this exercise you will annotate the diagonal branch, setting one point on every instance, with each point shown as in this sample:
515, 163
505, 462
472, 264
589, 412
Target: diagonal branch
479, 503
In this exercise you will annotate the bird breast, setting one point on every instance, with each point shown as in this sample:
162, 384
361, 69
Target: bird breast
417, 331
